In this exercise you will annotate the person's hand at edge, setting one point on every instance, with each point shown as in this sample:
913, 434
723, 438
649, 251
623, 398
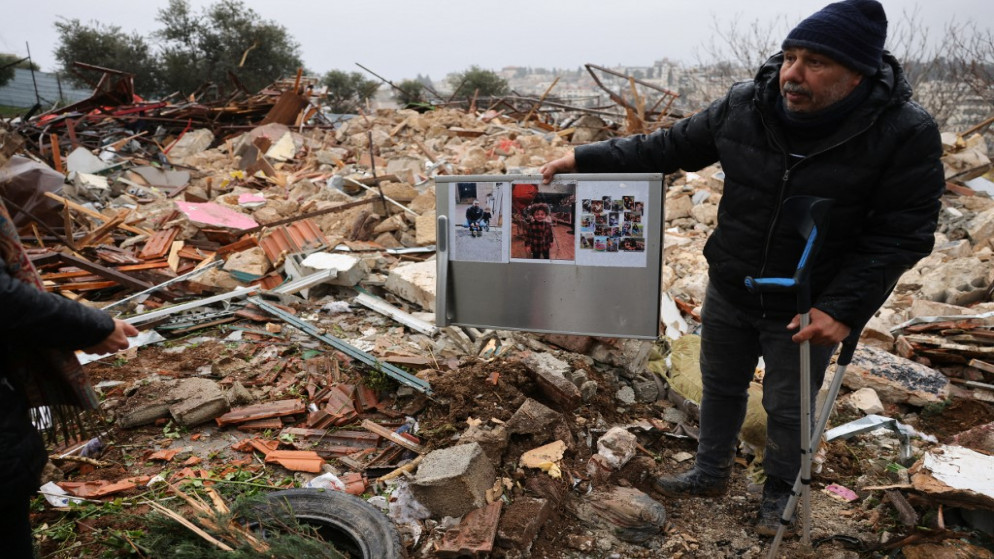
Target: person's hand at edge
116, 340
565, 164
823, 330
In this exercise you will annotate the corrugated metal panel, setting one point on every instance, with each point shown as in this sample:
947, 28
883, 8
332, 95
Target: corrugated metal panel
20, 91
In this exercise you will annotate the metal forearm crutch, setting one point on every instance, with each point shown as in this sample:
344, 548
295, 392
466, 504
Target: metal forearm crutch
845, 356
808, 214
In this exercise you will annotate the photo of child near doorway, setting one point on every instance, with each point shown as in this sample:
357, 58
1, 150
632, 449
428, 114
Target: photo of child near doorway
543, 220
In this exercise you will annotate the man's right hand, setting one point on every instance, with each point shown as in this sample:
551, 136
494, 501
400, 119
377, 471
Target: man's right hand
565, 164
116, 340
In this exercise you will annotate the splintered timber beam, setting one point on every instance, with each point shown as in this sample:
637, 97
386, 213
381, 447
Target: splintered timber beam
69, 204
540, 101
102, 271
393, 372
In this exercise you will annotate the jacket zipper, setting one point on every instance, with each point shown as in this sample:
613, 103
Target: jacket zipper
783, 187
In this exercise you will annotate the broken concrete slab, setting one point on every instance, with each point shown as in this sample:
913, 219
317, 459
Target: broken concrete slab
894, 378
191, 143
169, 178
493, 441
924, 307
398, 191
678, 206
407, 168
351, 270
540, 421
199, 401
954, 249
425, 202
866, 400
631, 355
426, 229
143, 415
552, 376
396, 222
617, 446
248, 265
957, 282
81, 160
453, 481
877, 333
190, 402
981, 228
569, 342
414, 283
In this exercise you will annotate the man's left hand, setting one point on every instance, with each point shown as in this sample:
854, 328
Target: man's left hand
823, 329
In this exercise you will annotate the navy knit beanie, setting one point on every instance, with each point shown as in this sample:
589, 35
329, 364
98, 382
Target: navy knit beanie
851, 32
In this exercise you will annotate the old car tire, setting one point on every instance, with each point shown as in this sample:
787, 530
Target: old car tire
355, 526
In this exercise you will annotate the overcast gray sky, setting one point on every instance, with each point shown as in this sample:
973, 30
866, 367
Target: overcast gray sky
399, 39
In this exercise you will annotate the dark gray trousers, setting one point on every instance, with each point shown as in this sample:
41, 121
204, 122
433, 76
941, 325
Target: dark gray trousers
731, 343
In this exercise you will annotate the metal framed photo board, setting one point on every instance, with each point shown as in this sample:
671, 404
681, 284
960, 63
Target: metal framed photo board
581, 255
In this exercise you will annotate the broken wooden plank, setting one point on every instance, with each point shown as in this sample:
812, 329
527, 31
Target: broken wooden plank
81, 286
98, 234
905, 512
102, 271
69, 204
982, 365
395, 438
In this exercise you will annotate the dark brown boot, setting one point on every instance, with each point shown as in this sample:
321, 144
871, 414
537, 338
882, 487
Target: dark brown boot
692, 483
776, 493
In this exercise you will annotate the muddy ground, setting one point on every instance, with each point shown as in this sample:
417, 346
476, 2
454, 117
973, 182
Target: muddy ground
471, 389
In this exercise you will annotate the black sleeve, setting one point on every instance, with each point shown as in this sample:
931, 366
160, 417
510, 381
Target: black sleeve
900, 229
688, 145
29, 316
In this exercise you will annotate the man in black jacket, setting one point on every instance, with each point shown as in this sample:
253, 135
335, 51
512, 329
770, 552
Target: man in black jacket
474, 213
831, 116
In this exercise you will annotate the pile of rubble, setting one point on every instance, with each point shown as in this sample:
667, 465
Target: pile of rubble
284, 274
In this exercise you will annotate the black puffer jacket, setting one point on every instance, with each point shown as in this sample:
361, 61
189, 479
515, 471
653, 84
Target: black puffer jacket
36, 320
881, 167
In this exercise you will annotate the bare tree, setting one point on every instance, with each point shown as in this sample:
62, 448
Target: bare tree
734, 52
928, 66
951, 74
974, 63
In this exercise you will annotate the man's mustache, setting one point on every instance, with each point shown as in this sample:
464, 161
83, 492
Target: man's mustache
791, 87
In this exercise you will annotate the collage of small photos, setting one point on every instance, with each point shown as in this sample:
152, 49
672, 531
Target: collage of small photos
612, 224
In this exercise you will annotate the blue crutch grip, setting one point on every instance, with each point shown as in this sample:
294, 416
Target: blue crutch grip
765, 285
